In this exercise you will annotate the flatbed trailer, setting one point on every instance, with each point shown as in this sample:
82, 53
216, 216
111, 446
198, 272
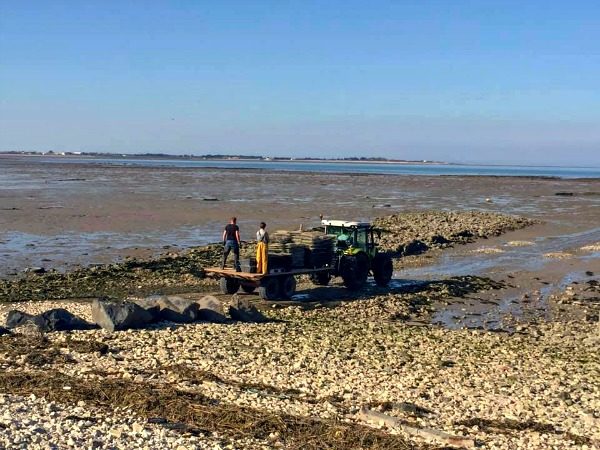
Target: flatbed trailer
271, 286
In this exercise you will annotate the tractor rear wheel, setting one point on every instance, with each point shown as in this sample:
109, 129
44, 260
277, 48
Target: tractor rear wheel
383, 268
355, 270
229, 285
269, 288
320, 278
287, 286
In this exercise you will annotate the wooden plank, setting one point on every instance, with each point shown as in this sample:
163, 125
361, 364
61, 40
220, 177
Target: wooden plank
257, 276
378, 418
233, 273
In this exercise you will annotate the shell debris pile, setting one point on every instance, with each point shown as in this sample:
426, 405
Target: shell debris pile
309, 370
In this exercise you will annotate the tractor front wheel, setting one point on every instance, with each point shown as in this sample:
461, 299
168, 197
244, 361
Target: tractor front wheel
355, 270
383, 268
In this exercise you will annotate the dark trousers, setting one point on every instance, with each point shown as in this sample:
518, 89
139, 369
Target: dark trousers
232, 245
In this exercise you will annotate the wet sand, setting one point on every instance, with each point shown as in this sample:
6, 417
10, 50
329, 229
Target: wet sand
533, 278
61, 215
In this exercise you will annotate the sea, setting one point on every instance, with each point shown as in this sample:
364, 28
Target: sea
390, 168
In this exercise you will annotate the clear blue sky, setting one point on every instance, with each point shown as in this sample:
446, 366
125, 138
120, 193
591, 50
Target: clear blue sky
462, 81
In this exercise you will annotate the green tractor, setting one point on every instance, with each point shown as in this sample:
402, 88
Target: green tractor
355, 255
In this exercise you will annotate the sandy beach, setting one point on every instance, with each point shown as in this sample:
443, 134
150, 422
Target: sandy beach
486, 338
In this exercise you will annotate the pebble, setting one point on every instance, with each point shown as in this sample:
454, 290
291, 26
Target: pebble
327, 363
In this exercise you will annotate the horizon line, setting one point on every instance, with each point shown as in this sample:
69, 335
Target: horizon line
241, 157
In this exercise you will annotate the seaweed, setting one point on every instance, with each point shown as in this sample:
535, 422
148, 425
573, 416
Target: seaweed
192, 411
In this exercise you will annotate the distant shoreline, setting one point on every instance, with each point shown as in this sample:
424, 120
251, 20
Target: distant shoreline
232, 159
159, 157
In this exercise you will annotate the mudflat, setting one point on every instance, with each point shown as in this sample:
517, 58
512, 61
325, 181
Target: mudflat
65, 217
59, 215
486, 336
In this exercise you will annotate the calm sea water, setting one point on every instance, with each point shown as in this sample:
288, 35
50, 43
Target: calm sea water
347, 167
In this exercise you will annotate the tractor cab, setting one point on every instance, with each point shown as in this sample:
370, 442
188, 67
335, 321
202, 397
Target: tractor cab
352, 237
357, 253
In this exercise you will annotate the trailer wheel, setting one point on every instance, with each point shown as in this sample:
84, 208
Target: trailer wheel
229, 285
320, 278
248, 288
383, 268
287, 286
269, 288
355, 270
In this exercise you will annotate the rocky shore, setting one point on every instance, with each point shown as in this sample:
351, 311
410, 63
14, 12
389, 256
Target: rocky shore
413, 233
366, 371
172, 272
404, 234
303, 380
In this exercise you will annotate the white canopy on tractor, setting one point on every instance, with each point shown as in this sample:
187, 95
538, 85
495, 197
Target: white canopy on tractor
345, 223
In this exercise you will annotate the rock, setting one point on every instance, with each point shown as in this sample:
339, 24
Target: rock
210, 309
463, 234
240, 309
116, 432
4, 331
16, 318
592, 317
413, 248
58, 319
117, 316
178, 309
438, 239
150, 304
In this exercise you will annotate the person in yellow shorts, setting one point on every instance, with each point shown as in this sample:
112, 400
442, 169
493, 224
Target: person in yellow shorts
262, 248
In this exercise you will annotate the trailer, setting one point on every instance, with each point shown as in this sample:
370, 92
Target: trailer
353, 256
271, 286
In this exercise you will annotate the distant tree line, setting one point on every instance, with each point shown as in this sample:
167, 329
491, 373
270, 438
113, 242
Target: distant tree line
216, 156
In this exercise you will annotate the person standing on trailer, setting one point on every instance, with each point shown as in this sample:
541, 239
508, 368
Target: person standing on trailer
262, 248
232, 241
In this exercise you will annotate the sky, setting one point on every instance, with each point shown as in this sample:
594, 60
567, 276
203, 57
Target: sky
500, 82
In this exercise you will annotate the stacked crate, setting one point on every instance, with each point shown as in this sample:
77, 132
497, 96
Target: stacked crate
305, 248
279, 241
318, 247
298, 253
279, 251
